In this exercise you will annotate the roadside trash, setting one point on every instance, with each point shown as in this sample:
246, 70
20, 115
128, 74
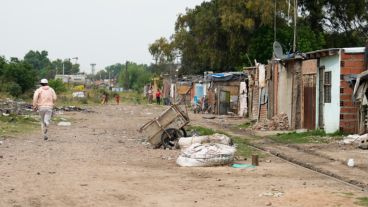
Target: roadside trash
363, 142
350, 139
278, 122
185, 142
351, 162
242, 166
274, 194
64, 123
205, 155
360, 140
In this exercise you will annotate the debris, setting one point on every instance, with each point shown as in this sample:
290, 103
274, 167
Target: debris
268, 204
1, 142
71, 108
274, 194
185, 142
64, 123
1, 157
243, 166
361, 140
208, 117
205, 155
351, 162
278, 122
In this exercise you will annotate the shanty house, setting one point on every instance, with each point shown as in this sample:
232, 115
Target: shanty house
227, 93
315, 90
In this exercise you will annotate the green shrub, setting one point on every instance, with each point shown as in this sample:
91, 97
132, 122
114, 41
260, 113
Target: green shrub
57, 85
13, 89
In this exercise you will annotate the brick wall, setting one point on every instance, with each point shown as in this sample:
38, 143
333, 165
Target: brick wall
350, 64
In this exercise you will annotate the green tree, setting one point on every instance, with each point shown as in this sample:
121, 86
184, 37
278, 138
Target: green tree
20, 73
138, 76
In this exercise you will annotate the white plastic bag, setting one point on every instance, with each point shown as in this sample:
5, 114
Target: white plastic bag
205, 155
185, 142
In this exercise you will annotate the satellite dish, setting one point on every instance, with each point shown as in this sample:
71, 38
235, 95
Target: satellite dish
277, 50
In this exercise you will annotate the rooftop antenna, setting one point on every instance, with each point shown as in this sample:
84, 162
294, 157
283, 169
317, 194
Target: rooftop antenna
277, 50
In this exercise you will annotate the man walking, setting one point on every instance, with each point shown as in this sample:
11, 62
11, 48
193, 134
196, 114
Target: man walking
43, 100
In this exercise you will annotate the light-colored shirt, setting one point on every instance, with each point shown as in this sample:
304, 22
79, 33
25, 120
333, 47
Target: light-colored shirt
44, 97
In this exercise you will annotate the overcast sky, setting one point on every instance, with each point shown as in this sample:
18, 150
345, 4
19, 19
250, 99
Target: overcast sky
104, 32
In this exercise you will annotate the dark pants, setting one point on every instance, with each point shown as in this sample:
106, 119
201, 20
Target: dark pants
158, 99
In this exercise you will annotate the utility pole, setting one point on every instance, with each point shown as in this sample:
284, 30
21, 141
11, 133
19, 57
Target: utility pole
93, 70
295, 16
126, 76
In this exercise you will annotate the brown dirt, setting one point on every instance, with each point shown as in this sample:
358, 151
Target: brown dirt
101, 161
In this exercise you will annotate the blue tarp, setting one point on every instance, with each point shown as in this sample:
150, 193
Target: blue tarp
231, 76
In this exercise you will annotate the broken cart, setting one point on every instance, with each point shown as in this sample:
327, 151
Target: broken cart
167, 128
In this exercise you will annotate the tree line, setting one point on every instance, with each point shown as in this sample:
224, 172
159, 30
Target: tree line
20, 76
222, 35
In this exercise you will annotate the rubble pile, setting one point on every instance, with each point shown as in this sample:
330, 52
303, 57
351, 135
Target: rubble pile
8, 106
278, 122
71, 108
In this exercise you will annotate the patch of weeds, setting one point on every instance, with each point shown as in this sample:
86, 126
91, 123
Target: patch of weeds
347, 194
313, 136
17, 124
362, 201
243, 148
202, 131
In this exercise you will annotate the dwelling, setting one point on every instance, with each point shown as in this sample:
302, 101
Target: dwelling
314, 89
227, 93
73, 79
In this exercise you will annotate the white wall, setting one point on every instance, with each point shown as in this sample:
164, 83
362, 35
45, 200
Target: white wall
331, 111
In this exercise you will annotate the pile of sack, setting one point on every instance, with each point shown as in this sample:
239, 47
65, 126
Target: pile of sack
205, 151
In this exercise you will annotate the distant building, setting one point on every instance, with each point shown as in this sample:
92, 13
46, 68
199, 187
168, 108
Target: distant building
74, 79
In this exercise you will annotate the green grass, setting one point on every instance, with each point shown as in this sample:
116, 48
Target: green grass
12, 125
243, 148
202, 131
314, 136
362, 201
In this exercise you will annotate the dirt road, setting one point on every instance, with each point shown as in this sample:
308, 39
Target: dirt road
100, 161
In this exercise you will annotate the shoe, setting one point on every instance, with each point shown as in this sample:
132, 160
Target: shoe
45, 137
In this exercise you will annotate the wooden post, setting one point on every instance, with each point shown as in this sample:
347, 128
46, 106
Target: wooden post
255, 160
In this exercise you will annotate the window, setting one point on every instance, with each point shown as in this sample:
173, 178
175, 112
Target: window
327, 87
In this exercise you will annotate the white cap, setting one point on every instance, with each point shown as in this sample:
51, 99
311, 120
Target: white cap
44, 81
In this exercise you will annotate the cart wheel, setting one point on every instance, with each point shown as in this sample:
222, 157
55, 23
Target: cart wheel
184, 133
169, 137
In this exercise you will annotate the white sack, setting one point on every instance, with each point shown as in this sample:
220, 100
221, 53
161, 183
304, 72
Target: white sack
205, 155
185, 142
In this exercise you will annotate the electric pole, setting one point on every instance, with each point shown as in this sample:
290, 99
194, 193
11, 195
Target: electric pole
93, 70
126, 76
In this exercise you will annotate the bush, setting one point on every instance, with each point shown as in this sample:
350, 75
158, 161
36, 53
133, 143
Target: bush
13, 89
57, 85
